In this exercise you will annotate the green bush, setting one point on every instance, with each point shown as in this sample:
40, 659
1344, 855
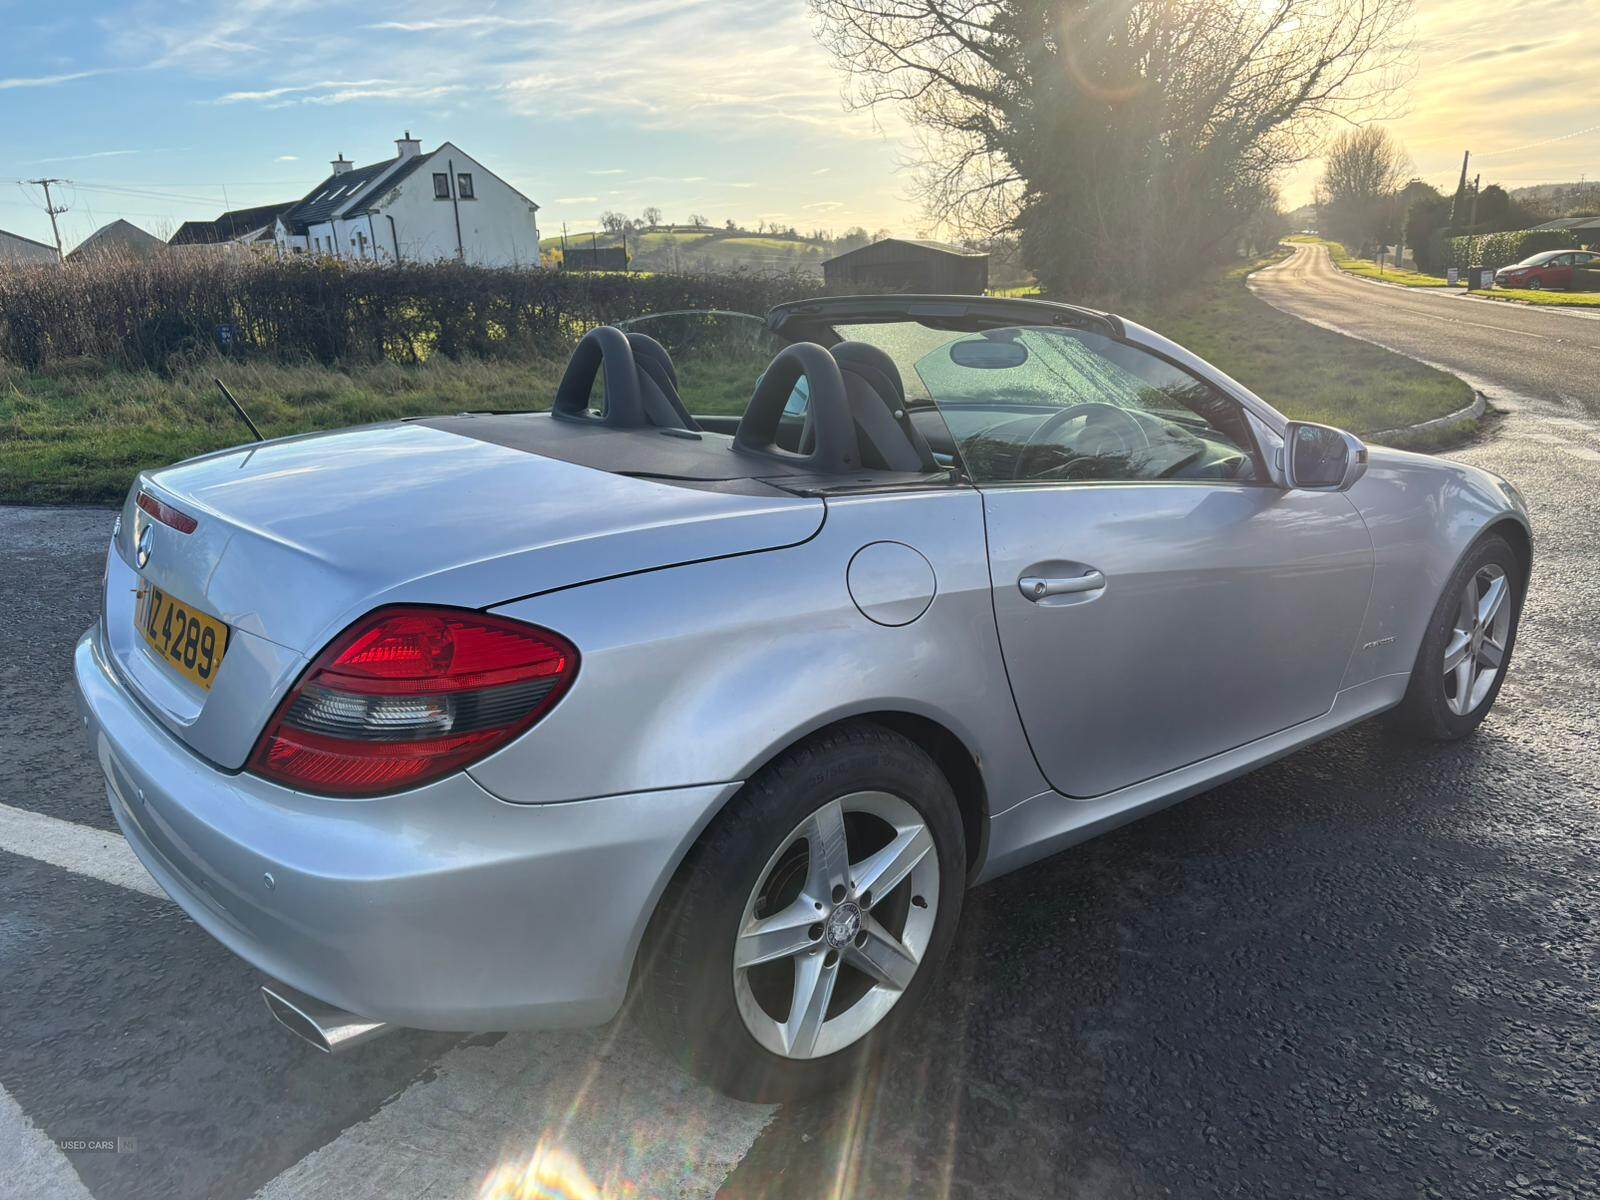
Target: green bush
167, 311
1502, 249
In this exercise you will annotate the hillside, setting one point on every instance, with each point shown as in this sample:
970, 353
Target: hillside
687, 248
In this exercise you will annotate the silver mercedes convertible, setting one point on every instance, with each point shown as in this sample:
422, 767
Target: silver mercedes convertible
507, 720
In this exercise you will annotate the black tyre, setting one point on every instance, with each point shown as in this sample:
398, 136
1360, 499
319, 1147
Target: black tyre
1466, 651
811, 917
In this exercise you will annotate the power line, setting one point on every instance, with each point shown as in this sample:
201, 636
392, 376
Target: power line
1543, 142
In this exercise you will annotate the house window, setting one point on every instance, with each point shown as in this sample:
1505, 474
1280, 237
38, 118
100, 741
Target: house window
464, 186
441, 185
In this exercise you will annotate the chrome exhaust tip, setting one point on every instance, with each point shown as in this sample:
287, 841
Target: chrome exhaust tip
331, 1030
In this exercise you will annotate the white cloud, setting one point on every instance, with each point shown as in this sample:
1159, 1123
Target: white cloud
485, 23
84, 157
52, 80
576, 200
824, 205
294, 89
287, 158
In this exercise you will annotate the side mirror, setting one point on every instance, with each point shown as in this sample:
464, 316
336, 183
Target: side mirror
1321, 458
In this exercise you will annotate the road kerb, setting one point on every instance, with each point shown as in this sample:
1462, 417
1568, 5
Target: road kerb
1479, 406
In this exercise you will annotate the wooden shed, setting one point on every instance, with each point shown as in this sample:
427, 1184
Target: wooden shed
908, 265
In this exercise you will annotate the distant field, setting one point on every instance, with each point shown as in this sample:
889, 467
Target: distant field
714, 249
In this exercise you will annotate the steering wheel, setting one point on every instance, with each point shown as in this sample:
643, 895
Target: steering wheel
1107, 420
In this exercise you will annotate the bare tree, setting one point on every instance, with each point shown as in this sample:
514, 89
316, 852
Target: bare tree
1122, 139
652, 216
613, 222
1358, 195
698, 220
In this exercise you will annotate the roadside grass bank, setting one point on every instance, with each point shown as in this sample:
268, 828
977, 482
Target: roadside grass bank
1303, 370
1367, 269
78, 430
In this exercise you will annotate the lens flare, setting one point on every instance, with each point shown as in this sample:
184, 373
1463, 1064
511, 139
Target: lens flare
550, 1173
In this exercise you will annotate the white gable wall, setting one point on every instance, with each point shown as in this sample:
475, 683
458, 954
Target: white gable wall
498, 227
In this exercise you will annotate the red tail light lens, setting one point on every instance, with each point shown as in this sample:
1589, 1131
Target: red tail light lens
407, 695
166, 514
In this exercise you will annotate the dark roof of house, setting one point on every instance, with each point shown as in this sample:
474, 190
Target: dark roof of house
337, 192
233, 224
919, 243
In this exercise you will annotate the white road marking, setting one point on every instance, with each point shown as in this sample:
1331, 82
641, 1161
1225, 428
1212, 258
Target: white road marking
599, 1108
77, 848
606, 1113
32, 1160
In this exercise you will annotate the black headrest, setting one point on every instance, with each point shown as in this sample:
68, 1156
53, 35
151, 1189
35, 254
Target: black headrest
888, 438
875, 366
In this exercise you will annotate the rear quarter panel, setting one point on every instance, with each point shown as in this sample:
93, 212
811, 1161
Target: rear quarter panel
704, 672
1423, 514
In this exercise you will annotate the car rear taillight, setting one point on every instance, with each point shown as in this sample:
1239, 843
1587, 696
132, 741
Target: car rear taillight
166, 514
406, 695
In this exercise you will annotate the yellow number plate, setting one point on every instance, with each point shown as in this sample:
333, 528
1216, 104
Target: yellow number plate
186, 639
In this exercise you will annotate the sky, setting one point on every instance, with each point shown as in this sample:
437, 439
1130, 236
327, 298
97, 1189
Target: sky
161, 111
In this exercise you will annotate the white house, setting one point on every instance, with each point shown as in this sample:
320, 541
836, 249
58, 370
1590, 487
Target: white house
414, 207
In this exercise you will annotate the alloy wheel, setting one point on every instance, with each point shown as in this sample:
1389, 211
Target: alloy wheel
1475, 651
837, 925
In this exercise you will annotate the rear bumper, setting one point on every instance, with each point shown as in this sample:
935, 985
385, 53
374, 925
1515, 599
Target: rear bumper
442, 908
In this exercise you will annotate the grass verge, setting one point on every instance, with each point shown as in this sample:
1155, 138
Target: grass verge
79, 433
1544, 298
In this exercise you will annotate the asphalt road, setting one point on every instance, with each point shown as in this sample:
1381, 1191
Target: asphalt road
1508, 350
1371, 969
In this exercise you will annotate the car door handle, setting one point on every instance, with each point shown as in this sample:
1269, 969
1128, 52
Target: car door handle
1037, 587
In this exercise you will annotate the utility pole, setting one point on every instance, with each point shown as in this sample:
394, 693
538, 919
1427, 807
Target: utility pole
1461, 187
1472, 219
53, 211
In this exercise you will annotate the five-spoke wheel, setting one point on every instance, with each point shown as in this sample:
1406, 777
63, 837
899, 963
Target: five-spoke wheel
811, 916
1476, 649
836, 925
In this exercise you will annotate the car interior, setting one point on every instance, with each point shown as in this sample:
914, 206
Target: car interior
892, 402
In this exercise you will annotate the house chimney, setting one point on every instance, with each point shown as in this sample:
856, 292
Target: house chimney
342, 164
408, 146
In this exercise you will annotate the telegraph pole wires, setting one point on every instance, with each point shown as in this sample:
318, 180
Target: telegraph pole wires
54, 210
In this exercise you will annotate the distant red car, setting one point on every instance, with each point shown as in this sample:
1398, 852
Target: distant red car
1550, 269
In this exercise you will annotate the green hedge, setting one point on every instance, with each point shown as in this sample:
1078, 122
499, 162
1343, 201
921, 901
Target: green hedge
172, 309
1502, 249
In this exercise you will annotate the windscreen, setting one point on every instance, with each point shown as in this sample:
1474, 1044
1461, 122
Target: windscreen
1044, 403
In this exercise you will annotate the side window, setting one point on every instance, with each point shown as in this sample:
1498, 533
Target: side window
1058, 405
441, 185
464, 186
